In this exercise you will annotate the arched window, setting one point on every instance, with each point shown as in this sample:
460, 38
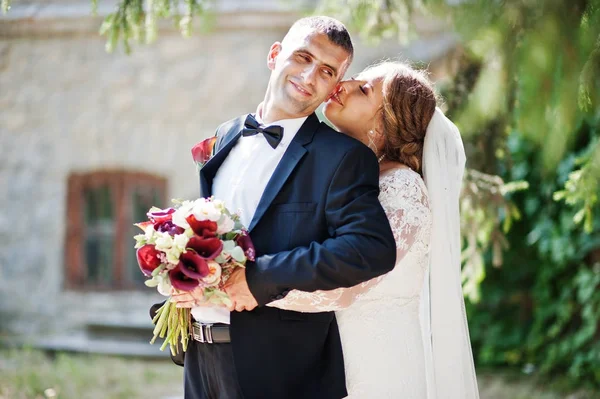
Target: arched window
102, 207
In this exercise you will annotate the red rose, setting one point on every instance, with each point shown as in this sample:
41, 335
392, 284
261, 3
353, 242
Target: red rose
203, 151
148, 259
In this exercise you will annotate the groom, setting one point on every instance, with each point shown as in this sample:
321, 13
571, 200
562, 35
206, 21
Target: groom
309, 198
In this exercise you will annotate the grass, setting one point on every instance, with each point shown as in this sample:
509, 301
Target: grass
31, 374
27, 374
496, 384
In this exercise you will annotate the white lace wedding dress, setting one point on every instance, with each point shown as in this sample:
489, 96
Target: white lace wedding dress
381, 332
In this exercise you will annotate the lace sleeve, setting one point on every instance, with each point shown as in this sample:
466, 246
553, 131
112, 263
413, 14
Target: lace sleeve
404, 199
324, 301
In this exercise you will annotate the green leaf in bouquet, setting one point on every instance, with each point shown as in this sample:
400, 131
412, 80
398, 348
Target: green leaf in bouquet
231, 235
226, 301
177, 201
209, 295
220, 259
214, 299
219, 297
154, 209
159, 269
228, 246
216, 296
237, 225
140, 240
237, 253
151, 283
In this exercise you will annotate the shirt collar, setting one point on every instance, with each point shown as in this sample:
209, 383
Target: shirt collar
290, 126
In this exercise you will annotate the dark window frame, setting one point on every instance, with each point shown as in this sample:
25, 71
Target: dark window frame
122, 184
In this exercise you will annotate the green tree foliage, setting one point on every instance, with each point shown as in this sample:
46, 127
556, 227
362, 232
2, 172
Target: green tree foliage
136, 20
540, 311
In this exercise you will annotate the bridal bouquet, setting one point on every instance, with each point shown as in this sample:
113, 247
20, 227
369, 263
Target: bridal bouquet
194, 245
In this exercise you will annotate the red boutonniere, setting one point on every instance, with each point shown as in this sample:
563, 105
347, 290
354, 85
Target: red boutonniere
203, 151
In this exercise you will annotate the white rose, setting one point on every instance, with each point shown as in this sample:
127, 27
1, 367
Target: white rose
164, 242
214, 274
164, 285
225, 225
204, 210
182, 213
173, 255
220, 205
180, 241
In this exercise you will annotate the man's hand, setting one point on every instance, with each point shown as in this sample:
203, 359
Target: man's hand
239, 292
189, 299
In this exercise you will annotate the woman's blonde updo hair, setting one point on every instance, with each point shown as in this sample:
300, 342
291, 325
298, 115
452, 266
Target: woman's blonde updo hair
409, 102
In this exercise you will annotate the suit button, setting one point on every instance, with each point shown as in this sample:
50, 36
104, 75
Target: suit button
279, 296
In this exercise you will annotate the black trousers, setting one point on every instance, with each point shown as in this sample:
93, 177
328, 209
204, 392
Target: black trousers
209, 372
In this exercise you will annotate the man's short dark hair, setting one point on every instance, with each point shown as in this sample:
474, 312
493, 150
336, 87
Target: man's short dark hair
335, 30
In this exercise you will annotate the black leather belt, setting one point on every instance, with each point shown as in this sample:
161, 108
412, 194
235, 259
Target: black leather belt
210, 333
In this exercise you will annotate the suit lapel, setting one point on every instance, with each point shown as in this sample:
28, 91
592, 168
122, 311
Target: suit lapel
224, 146
286, 166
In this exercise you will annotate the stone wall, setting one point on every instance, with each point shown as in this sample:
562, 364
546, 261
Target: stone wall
68, 106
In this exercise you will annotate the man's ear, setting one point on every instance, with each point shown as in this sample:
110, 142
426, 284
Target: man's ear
343, 69
273, 53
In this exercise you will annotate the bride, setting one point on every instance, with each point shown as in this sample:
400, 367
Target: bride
404, 334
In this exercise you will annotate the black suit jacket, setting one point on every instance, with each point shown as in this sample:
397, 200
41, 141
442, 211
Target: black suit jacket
318, 226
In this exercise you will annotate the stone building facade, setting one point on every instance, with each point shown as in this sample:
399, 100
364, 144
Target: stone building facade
88, 138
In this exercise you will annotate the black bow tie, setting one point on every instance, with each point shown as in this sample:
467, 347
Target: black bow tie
272, 133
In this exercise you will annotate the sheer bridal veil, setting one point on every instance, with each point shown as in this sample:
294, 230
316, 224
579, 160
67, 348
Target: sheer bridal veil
448, 355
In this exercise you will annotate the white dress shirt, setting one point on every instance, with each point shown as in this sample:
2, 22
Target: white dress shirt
240, 183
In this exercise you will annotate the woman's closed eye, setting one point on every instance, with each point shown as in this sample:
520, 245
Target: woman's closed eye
362, 87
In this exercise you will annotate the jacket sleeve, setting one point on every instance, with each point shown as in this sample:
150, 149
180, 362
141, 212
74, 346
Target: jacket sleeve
361, 244
409, 217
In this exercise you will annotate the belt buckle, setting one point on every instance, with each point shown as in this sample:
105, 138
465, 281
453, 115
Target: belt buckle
198, 332
202, 333
208, 333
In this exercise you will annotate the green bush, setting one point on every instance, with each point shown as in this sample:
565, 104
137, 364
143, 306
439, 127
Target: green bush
541, 309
